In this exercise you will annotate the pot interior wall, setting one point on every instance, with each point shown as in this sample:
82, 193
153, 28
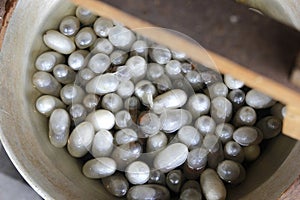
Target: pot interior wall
52, 172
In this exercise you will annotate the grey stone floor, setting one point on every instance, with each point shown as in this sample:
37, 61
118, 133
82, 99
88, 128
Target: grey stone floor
12, 185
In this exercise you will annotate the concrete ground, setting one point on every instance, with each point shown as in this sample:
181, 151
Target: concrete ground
12, 185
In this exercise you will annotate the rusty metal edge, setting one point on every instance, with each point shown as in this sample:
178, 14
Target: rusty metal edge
9, 8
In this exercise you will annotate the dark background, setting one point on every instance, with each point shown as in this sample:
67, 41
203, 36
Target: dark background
227, 28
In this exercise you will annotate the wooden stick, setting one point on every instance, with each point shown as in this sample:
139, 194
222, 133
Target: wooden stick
295, 75
177, 42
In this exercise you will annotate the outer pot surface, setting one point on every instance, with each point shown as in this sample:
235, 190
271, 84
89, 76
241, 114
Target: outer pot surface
284, 11
52, 172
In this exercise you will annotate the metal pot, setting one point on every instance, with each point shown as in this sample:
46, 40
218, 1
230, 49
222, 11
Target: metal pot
286, 11
52, 172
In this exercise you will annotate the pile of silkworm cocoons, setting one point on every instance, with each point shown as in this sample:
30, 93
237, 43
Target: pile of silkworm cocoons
147, 121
